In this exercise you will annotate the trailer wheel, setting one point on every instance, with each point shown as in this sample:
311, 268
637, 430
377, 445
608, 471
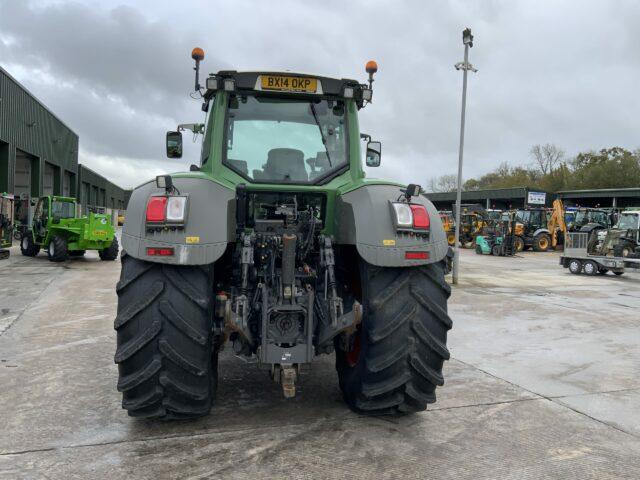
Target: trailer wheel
111, 252
541, 242
57, 249
575, 266
166, 355
28, 247
590, 267
395, 362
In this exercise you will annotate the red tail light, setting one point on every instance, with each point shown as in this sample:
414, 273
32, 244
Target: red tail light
420, 217
160, 252
416, 255
156, 209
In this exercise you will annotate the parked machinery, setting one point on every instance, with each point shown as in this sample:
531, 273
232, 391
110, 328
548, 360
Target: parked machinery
533, 231
498, 238
56, 228
6, 223
279, 244
621, 240
473, 219
449, 226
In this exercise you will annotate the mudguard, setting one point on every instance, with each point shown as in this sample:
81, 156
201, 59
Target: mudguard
539, 231
363, 218
590, 227
202, 240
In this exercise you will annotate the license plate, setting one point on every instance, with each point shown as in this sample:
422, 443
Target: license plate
289, 84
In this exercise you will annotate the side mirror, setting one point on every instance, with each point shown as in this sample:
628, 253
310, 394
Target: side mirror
374, 152
174, 144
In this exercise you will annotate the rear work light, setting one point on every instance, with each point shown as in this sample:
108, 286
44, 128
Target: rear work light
416, 255
160, 252
410, 216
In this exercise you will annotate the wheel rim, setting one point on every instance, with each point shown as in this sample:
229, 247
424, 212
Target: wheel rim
25, 243
52, 248
544, 243
574, 266
589, 268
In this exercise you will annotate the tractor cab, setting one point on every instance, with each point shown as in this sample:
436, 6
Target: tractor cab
281, 128
52, 210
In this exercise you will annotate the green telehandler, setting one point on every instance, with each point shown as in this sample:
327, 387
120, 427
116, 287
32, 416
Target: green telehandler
278, 244
56, 228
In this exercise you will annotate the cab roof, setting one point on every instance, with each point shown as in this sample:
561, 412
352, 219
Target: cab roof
251, 81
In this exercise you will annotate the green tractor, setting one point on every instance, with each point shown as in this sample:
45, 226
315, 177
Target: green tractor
277, 244
56, 228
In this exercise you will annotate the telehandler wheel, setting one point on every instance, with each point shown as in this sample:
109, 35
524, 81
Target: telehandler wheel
395, 362
77, 253
518, 244
541, 242
111, 252
166, 356
27, 246
57, 249
496, 250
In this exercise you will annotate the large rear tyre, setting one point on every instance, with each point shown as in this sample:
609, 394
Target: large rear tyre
111, 252
395, 362
28, 247
166, 355
57, 249
541, 242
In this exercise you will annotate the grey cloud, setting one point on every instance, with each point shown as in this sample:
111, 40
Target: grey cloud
559, 71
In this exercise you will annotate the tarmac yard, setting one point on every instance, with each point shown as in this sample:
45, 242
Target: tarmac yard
544, 382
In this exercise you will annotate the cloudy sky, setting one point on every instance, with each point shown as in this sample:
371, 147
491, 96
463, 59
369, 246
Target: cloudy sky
119, 73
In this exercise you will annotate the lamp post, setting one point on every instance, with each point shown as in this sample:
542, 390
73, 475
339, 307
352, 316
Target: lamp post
467, 40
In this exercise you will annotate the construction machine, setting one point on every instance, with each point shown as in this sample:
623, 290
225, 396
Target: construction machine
56, 228
449, 226
532, 229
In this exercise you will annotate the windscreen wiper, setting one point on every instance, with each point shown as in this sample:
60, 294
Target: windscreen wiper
324, 140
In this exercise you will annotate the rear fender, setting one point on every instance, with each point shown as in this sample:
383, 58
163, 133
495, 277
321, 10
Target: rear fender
364, 219
541, 230
210, 224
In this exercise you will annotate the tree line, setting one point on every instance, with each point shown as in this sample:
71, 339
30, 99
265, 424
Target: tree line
551, 171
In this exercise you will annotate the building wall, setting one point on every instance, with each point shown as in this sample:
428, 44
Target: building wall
39, 154
96, 192
36, 147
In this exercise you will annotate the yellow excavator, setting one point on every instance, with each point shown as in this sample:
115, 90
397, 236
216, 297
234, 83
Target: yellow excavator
449, 226
556, 222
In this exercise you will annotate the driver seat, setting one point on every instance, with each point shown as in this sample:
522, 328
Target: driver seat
285, 163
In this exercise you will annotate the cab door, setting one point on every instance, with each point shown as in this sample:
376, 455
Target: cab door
41, 218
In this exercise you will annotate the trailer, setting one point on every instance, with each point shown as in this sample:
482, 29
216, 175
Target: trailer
577, 259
